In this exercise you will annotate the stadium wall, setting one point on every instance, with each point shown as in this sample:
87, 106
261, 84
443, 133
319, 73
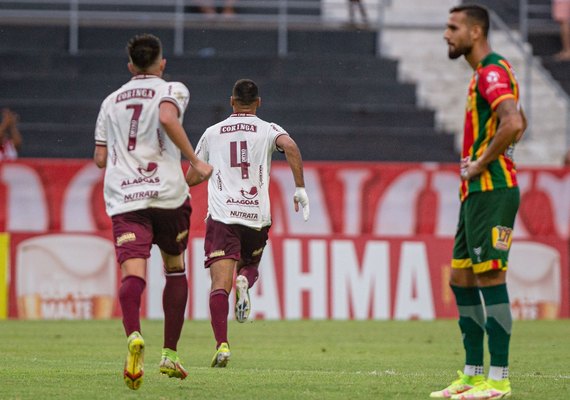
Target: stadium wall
378, 244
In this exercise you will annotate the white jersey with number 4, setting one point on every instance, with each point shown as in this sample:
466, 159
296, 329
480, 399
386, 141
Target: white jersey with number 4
143, 165
240, 149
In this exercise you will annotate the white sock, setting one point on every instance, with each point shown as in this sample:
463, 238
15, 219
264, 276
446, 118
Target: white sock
472, 370
498, 373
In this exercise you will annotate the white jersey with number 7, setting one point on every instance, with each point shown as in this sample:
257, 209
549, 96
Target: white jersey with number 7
143, 165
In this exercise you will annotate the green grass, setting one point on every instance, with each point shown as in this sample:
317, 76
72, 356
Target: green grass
272, 360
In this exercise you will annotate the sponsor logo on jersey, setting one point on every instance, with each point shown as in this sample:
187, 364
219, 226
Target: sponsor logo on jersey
219, 181
242, 202
502, 237
141, 180
135, 94
147, 194
257, 252
126, 237
180, 237
244, 215
493, 77
241, 127
251, 194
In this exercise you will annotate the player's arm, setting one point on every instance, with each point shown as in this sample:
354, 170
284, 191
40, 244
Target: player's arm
100, 153
168, 116
511, 126
293, 156
100, 156
193, 177
12, 120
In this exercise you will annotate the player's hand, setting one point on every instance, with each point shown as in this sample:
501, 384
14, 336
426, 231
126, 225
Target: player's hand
302, 198
470, 169
198, 172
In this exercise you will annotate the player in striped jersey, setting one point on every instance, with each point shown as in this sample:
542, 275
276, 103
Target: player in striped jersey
489, 195
139, 139
240, 149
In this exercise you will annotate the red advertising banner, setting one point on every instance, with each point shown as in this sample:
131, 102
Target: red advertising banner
377, 246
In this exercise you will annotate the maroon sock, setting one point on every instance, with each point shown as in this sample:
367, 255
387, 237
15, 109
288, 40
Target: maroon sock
219, 308
174, 299
130, 294
251, 273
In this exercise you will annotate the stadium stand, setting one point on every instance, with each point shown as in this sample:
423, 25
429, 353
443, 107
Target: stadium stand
417, 43
331, 92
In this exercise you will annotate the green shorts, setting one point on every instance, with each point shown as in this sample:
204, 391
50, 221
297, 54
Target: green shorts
485, 230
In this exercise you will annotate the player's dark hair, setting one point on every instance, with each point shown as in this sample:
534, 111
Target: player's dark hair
476, 13
144, 50
245, 92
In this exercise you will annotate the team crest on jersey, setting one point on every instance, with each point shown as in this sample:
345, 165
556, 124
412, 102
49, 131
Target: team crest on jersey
502, 237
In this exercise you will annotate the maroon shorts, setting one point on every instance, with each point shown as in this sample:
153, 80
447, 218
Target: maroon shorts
136, 231
233, 241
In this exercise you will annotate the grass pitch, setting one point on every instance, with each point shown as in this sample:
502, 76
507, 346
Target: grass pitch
272, 360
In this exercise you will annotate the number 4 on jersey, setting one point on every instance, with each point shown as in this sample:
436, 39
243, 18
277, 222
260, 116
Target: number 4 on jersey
240, 155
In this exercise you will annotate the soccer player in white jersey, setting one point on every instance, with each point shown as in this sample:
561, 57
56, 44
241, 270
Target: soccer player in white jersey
240, 148
139, 140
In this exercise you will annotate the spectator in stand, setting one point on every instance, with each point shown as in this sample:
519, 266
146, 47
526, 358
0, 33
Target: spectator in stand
561, 14
359, 7
10, 137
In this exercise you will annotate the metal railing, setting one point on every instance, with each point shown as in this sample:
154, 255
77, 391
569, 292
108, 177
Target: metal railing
281, 15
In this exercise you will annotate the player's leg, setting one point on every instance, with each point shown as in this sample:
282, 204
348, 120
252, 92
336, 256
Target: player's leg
171, 229
222, 251
471, 315
130, 292
133, 237
253, 243
221, 272
495, 213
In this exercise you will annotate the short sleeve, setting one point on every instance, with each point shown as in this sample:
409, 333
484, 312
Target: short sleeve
275, 131
202, 149
495, 85
100, 125
176, 93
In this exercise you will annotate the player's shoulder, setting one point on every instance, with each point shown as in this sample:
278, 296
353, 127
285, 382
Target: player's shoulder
277, 128
174, 87
494, 61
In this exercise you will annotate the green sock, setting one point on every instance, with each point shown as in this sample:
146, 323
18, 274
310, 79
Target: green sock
471, 323
499, 323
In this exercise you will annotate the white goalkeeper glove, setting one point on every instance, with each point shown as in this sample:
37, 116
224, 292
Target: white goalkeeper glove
301, 197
